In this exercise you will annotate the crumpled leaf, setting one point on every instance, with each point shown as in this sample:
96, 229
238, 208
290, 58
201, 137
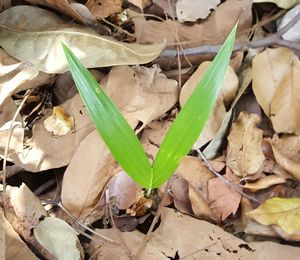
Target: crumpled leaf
282, 212
278, 96
11, 245
286, 153
191, 11
224, 200
293, 33
228, 91
244, 156
285, 4
19, 29
104, 8
211, 31
58, 238
198, 240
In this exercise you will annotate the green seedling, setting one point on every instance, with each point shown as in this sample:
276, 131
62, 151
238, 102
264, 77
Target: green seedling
121, 139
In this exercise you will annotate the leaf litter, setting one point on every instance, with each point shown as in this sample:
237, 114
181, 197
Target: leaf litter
52, 135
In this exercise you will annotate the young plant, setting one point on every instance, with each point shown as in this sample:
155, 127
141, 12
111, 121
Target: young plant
121, 139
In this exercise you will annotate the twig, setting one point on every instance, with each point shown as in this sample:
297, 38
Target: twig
158, 213
274, 39
227, 182
11, 129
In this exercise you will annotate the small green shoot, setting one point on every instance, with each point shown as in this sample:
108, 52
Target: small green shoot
121, 139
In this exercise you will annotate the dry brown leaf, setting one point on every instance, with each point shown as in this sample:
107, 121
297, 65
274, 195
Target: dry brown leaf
140, 3
24, 210
244, 155
264, 182
125, 191
90, 168
223, 199
211, 31
62, 6
104, 8
188, 11
285, 105
197, 240
11, 245
228, 91
59, 122
170, 9
271, 64
19, 29
147, 93
286, 152
197, 177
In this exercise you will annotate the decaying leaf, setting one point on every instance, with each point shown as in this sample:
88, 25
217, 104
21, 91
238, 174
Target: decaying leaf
293, 33
223, 199
19, 29
198, 240
286, 152
104, 8
191, 11
211, 31
11, 245
59, 122
245, 156
282, 212
228, 91
59, 238
286, 4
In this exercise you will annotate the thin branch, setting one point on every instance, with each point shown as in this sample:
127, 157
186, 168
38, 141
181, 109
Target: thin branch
272, 40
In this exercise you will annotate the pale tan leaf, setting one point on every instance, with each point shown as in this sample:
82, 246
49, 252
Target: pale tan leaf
211, 31
19, 29
140, 3
274, 65
285, 104
285, 4
245, 156
104, 8
223, 199
59, 238
188, 11
83, 182
286, 152
198, 239
264, 182
11, 245
293, 33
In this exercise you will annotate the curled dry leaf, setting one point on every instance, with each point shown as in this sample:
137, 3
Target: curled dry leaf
104, 8
11, 245
282, 212
198, 240
223, 199
58, 238
59, 122
197, 176
244, 155
263, 183
19, 29
211, 31
279, 95
286, 152
191, 11
228, 91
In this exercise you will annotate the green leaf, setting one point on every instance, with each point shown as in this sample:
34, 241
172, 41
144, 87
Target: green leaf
112, 126
193, 116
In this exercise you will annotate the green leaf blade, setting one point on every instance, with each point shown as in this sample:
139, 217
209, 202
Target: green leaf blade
192, 118
110, 123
